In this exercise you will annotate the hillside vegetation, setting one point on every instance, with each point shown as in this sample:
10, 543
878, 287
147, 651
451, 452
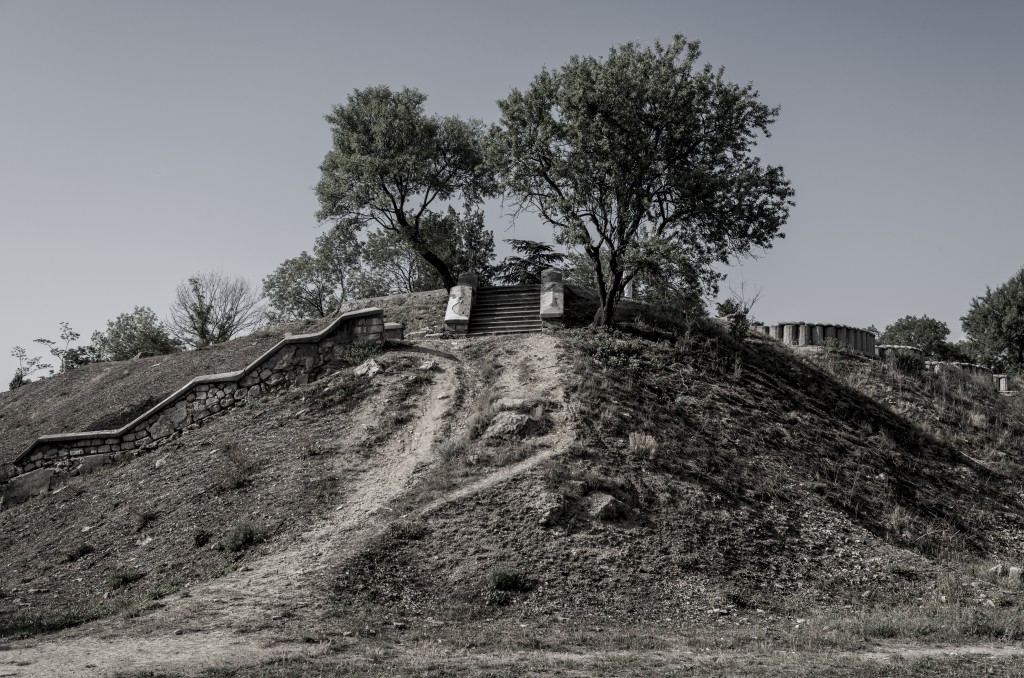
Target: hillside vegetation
661, 498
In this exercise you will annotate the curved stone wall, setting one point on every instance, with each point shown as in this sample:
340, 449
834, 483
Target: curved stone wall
812, 334
295, 360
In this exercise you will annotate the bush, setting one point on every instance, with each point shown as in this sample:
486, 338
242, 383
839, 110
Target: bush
907, 363
507, 578
81, 551
450, 449
201, 537
241, 537
125, 577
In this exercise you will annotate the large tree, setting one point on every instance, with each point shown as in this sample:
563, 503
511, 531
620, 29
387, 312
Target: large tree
390, 164
995, 324
642, 159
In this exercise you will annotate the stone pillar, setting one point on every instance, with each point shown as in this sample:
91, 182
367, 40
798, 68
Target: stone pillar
871, 344
627, 293
858, 341
818, 335
805, 335
841, 335
460, 303
789, 334
552, 296
830, 331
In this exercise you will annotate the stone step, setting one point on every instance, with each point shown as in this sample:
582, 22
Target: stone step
504, 314
492, 327
484, 333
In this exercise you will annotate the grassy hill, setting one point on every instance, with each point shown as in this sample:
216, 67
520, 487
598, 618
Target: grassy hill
657, 499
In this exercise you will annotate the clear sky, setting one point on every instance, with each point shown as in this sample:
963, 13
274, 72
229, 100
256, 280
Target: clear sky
144, 141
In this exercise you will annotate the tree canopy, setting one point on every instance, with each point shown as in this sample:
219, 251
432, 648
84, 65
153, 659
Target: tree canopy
642, 159
314, 285
995, 325
391, 165
526, 267
129, 334
927, 334
210, 308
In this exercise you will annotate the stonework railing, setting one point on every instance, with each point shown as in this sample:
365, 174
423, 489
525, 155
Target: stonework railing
809, 334
295, 360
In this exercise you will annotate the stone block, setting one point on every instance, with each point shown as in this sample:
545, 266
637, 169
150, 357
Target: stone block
94, 461
790, 335
552, 295
818, 335
804, 336
20, 488
460, 305
394, 331
830, 332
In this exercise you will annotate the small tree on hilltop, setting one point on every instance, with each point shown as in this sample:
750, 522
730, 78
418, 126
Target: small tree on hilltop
995, 325
640, 157
129, 334
69, 356
26, 367
210, 308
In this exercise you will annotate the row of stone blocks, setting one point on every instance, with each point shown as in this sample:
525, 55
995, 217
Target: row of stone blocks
1001, 382
809, 334
295, 360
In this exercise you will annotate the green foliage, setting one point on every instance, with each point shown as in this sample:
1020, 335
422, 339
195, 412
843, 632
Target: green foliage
526, 268
502, 581
314, 285
907, 363
240, 537
129, 334
390, 162
124, 577
201, 537
995, 325
211, 308
643, 161
69, 356
927, 334
392, 266
26, 367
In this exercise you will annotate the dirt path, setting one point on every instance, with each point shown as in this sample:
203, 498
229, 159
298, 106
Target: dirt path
243, 617
240, 618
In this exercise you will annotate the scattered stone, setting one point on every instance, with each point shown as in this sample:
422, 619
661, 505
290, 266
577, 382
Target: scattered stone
179, 632
20, 488
443, 396
428, 365
160, 462
607, 507
370, 368
997, 570
1014, 574
93, 462
509, 425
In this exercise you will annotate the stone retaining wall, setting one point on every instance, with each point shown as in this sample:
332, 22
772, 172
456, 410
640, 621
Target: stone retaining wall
295, 360
810, 334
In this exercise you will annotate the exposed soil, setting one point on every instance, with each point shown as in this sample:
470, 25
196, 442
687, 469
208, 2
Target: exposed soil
654, 500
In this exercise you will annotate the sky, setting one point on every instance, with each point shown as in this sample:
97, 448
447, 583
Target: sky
142, 142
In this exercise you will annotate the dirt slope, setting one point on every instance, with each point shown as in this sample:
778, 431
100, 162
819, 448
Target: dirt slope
549, 497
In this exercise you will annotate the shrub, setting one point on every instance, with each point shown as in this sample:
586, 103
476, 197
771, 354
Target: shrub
642, 445
201, 537
237, 469
81, 551
240, 537
907, 363
450, 449
124, 577
504, 577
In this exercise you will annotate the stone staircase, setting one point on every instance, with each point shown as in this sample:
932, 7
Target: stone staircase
505, 310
